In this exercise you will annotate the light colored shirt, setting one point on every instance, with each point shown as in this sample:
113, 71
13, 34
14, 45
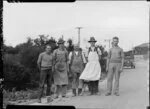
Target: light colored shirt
45, 60
92, 48
76, 52
98, 50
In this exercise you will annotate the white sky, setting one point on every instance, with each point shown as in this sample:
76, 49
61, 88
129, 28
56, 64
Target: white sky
128, 20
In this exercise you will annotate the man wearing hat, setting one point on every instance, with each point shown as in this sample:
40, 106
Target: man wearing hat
77, 62
61, 69
92, 70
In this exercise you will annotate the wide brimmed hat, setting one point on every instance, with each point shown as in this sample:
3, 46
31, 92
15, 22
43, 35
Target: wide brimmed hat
92, 39
60, 41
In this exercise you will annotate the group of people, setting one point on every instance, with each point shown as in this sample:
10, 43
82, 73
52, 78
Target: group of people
56, 67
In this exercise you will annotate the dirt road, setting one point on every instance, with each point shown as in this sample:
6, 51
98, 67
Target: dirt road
133, 92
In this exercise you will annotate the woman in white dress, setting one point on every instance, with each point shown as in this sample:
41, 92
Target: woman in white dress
92, 69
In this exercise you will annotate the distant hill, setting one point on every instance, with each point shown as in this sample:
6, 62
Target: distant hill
141, 49
143, 45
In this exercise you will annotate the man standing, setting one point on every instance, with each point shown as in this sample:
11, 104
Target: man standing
114, 66
92, 69
45, 65
61, 69
77, 63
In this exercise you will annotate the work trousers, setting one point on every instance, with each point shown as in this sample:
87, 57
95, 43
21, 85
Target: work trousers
77, 83
93, 86
61, 90
113, 70
45, 77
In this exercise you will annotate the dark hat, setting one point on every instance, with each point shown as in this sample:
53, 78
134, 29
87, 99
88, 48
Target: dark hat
60, 41
92, 39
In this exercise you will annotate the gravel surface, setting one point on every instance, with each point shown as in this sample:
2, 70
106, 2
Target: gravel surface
133, 92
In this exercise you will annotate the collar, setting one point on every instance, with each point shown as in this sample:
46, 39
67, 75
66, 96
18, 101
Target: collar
48, 53
115, 46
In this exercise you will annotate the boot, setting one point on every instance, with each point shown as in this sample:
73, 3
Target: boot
97, 91
116, 93
89, 86
40, 94
108, 94
48, 92
92, 88
39, 100
96, 87
79, 91
74, 92
49, 99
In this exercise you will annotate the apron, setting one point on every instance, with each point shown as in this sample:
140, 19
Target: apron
77, 63
92, 69
60, 75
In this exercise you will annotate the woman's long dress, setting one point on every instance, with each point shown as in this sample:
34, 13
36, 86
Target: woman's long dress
92, 70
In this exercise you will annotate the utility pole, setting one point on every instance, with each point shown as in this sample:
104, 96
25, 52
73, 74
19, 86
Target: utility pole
108, 40
62, 37
79, 34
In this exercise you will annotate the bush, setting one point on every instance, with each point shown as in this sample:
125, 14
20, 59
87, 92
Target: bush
29, 57
15, 74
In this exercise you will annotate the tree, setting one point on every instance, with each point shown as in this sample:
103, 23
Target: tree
10, 50
52, 43
70, 46
27, 44
41, 41
29, 55
103, 58
15, 74
20, 62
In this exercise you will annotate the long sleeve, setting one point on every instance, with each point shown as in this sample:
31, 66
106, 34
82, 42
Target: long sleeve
83, 56
53, 59
39, 59
67, 56
70, 55
99, 51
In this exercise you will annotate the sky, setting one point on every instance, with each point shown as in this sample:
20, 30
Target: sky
128, 20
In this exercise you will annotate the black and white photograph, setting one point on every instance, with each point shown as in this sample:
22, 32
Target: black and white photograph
86, 54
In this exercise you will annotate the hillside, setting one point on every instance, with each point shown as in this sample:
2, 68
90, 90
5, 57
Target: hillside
142, 49
143, 45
